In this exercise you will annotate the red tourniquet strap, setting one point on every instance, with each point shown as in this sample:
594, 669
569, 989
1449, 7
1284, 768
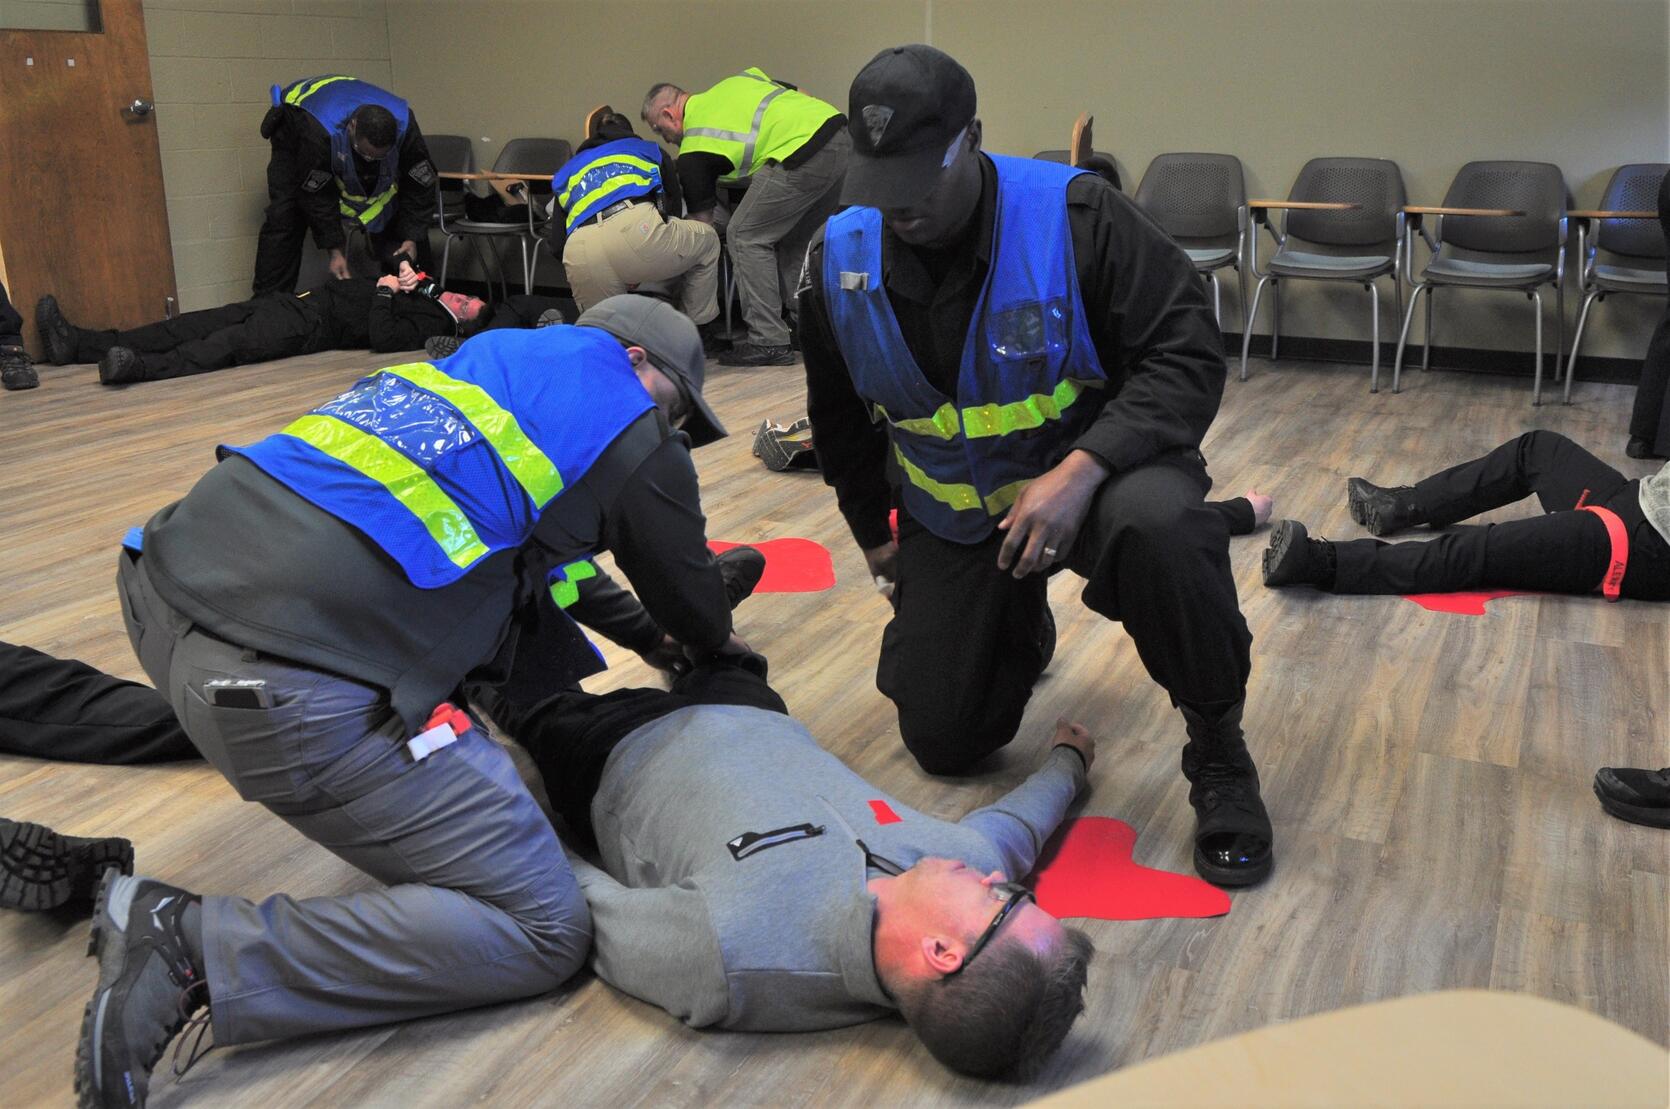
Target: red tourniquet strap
1619, 536
448, 713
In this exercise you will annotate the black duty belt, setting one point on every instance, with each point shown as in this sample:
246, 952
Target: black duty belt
617, 206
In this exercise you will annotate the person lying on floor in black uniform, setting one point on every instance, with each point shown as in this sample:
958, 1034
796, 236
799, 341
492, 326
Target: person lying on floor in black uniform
394, 312
1600, 530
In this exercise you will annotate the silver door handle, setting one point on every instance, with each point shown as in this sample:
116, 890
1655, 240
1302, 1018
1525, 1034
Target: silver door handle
140, 107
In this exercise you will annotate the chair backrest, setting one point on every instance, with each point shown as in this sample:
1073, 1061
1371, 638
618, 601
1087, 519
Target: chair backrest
1097, 163
1375, 184
451, 154
1633, 188
544, 156
1536, 188
1194, 196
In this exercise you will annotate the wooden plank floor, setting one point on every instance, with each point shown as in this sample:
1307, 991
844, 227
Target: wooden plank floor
1428, 774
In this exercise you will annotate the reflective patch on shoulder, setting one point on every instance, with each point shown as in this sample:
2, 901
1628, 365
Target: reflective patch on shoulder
854, 282
316, 180
423, 173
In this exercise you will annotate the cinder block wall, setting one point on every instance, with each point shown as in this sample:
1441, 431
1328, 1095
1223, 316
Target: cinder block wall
212, 65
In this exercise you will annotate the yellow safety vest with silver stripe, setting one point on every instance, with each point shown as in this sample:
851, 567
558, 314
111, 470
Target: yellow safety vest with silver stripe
445, 465
751, 120
1029, 380
331, 100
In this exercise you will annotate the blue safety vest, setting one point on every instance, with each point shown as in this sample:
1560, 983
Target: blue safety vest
620, 170
1027, 362
442, 464
331, 100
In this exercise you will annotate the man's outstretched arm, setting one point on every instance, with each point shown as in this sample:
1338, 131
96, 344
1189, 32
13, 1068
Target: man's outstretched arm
1020, 821
657, 945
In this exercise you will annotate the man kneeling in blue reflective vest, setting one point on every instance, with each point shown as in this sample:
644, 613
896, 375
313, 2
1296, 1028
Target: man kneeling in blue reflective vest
310, 609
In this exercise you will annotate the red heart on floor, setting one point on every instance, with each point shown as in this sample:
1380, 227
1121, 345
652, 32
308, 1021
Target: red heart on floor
1087, 870
791, 565
1462, 604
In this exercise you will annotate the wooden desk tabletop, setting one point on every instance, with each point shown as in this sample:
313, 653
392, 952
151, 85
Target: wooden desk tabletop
1305, 205
1428, 210
1592, 213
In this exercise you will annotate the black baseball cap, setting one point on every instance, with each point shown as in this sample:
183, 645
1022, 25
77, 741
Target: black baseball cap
904, 111
673, 345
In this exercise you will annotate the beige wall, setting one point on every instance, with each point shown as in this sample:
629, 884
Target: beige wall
1429, 83
212, 63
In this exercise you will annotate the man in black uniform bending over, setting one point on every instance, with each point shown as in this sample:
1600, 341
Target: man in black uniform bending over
342, 149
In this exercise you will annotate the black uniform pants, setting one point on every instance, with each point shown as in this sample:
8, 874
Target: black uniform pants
571, 735
278, 249
11, 324
53, 708
961, 654
1565, 551
520, 310
257, 330
1650, 419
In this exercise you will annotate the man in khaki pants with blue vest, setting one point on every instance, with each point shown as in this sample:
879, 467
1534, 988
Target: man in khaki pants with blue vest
790, 151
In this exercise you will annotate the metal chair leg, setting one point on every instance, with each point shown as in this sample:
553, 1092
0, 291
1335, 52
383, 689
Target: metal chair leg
1536, 384
1560, 328
1217, 307
1426, 351
446, 256
1241, 287
1246, 329
1275, 321
1374, 336
1403, 335
1577, 341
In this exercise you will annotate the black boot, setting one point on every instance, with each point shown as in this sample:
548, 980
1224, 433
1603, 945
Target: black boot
40, 869
56, 333
1382, 510
16, 369
120, 366
1233, 838
1638, 796
1294, 558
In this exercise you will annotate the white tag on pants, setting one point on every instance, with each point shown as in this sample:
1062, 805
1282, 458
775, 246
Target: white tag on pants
427, 743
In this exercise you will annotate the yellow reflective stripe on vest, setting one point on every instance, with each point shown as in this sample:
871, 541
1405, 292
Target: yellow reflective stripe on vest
987, 420
567, 590
533, 470
373, 207
300, 93
610, 185
957, 495
361, 451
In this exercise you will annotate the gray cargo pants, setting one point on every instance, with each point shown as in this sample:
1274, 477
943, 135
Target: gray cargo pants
480, 905
768, 233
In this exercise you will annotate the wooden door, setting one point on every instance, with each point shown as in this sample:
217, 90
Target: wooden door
82, 213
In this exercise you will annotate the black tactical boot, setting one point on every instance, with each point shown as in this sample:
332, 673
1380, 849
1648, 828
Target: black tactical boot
1638, 796
1382, 510
56, 333
40, 869
120, 366
1294, 558
742, 568
17, 371
1233, 838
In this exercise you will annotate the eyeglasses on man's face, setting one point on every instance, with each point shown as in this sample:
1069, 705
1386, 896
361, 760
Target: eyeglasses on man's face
1012, 895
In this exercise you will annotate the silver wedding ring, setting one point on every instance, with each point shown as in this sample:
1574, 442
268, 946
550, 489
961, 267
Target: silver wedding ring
1049, 552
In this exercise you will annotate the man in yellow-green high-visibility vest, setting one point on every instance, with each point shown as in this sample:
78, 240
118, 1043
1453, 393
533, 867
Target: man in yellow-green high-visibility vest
789, 150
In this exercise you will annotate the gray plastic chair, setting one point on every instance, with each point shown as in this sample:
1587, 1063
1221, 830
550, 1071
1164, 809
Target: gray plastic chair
1359, 245
451, 154
1104, 164
1201, 202
1623, 256
542, 156
1516, 253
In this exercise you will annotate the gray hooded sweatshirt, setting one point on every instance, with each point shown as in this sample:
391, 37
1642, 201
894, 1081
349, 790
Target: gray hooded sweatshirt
735, 892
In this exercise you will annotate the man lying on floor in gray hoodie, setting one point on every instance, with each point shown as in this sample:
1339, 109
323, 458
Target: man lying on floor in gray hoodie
752, 881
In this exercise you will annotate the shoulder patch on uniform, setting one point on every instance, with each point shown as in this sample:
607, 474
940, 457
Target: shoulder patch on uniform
316, 180
423, 173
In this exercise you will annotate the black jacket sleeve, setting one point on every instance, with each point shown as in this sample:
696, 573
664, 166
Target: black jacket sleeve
672, 191
316, 191
851, 447
699, 175
1152, 325
416, 210
608, 609
656, 531
402, 321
